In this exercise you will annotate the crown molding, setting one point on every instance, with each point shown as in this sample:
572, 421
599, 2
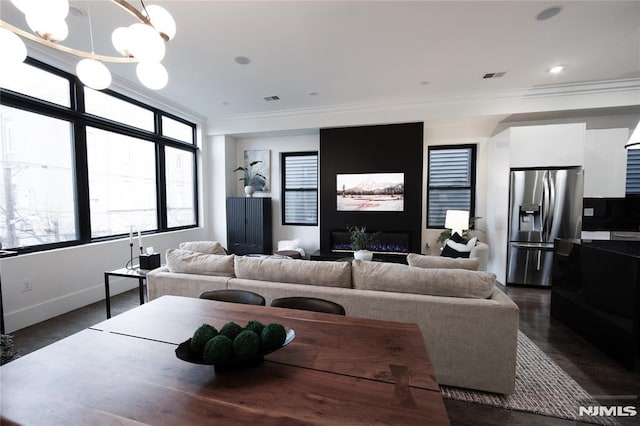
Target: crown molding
462, 102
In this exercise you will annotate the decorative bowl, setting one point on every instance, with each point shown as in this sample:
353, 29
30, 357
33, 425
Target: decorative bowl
185, 353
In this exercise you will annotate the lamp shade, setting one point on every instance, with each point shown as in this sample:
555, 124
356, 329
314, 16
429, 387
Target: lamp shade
152, 74
94, 74
457, 221
162, 20
634, 140
12, 49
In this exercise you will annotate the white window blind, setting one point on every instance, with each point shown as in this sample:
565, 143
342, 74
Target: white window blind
633, 171
451, 182
300, 188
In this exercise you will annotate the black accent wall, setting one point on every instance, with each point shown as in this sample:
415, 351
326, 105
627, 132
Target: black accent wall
393, 148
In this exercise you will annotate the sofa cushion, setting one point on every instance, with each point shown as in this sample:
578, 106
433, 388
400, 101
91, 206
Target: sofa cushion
442, 262
395, 277
332, 274
191, 262
209, 247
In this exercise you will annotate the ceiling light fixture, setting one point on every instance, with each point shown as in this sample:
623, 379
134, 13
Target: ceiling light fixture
556, 70
549, 13
142, 43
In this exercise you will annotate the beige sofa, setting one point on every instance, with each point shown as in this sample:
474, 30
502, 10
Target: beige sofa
469, 326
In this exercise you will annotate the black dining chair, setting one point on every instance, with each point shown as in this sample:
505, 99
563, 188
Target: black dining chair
234, 296
309, 304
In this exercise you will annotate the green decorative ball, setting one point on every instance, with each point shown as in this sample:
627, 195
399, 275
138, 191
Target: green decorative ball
201, 336
231, 330
255, 326
246, 344
273, 336
218, 349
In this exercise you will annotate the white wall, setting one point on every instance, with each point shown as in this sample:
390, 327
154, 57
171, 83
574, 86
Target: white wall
309, 235
67, 279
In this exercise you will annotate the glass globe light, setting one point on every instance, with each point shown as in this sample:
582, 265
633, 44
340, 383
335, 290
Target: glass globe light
162, 21
152, 74
49, 29
146, 44
93, 74
12, 49
121, 40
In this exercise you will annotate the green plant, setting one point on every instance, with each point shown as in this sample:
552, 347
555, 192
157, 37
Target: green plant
250, 176
446, 234
360, 240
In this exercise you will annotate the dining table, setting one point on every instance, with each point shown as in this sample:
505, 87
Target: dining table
124, 371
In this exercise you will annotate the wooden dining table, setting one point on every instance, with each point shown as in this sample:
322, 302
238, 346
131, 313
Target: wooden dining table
338, 370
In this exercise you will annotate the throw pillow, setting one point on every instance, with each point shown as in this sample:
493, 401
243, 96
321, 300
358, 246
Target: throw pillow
453, 249
191, 262
291, 245
209, 247
442, 262
457, 238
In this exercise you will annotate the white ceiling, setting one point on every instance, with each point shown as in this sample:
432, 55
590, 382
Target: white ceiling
361, 52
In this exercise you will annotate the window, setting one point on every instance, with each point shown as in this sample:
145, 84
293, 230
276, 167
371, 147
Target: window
451, 183
77, 165
299, 188
122, 183
633, 171
37, 200
180, 187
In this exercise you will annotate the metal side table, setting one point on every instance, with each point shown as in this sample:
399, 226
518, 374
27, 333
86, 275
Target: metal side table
127, 273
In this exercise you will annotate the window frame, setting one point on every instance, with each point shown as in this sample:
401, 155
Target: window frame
283, 171
472, 181
80, 120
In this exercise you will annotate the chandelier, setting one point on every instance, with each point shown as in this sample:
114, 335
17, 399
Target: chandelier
142, 42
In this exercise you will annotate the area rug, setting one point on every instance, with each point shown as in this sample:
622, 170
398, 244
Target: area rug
542, 387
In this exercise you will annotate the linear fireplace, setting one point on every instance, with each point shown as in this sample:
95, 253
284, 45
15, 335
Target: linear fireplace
386, 242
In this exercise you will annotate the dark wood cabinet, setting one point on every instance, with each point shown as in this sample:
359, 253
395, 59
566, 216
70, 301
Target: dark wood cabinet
249, 228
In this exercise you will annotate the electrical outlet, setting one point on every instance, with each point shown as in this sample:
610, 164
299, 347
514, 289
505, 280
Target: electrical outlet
27, 285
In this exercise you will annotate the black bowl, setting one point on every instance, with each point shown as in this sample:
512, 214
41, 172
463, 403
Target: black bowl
185, 353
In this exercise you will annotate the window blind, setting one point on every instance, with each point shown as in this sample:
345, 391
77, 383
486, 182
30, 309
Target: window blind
633, 171
300, 188
451, 182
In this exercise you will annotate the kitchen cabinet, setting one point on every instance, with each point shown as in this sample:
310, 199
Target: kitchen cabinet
605, 162
555, 145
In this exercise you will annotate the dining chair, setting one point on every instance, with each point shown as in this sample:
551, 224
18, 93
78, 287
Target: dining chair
309, 304
234, 296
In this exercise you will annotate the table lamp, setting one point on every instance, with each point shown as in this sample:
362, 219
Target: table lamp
456, 220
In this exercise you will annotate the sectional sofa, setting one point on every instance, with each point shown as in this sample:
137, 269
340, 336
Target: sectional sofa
469, 326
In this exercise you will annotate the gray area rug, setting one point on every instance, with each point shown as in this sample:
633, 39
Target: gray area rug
542, 387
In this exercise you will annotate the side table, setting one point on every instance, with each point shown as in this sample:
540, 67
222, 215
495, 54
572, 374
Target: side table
127, 273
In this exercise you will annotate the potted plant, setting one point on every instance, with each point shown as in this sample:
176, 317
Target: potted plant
361, 242
251, 178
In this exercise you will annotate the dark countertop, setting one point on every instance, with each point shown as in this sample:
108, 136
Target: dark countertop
628, 248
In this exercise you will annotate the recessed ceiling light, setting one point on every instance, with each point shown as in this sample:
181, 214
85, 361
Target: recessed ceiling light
313, 93
242, 60
556, 70
224, 103
425, 82
549, 13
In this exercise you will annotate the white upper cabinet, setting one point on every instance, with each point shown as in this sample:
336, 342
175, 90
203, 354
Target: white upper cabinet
555, 145
605, 162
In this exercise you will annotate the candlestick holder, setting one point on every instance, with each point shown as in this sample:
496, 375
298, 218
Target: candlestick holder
130, 262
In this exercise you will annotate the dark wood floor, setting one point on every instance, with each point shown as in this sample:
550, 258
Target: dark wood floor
594, 371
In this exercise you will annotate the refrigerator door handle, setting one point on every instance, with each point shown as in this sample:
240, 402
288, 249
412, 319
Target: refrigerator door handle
545, 205
552, 207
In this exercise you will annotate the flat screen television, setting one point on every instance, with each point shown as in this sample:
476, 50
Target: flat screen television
367, 192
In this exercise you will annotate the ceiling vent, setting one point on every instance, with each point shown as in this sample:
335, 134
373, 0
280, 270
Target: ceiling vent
271, 98
494, 74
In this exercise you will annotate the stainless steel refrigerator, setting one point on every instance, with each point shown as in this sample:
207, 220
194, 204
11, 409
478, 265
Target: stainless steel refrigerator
544, 204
